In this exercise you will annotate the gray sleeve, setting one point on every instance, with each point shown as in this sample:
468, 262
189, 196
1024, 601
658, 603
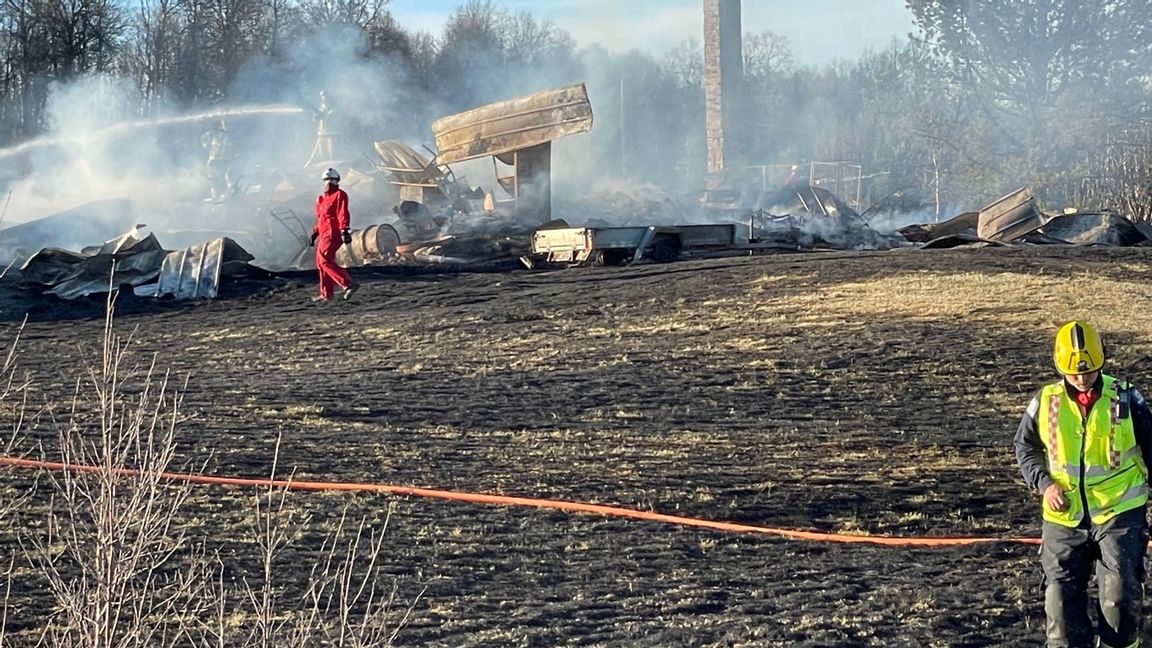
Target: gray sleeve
1142, 425
1031, 455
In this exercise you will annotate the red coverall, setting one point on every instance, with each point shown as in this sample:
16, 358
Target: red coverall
331, 218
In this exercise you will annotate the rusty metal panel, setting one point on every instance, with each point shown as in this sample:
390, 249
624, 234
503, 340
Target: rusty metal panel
1010, 217
513, 125
194, 272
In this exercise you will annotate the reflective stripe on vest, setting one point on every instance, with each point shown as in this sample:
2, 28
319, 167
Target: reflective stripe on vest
1101, 450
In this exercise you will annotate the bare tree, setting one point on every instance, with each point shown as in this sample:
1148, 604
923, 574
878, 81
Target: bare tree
424, 49
766, 55
233, 36
385, 36
20, 110
279, 18
532, 43
155, 33
471, 54
46, 40
355, 13
71, 37
1048, 78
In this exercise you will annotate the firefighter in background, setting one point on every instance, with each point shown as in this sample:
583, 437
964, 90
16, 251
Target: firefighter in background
219, 165
322, 115
791, 176
332, 229
1083, 445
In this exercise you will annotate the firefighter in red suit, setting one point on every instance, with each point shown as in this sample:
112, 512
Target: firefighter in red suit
332, 223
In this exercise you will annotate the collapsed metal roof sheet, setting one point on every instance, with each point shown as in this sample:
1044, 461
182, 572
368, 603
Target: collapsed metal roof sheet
128, 242
127, 259
99, 273
1095, 228
965, 223
513, 125
194, 272
406, 166
1010, 217
50, 266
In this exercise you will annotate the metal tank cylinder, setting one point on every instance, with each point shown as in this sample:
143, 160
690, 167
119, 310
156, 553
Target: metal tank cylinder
372, 244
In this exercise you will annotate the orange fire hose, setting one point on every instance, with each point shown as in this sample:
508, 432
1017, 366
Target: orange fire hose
559, 505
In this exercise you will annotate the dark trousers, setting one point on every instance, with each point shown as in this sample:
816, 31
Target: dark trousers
1116, 549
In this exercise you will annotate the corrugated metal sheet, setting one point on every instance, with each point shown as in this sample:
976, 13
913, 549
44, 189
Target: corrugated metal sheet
406, 166
513, 125
194, 272
102, 272
1010, 217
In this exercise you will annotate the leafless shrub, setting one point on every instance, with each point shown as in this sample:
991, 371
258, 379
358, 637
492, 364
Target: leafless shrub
125, 573
14, 399
274, 526
8, 574
345, 596
111, 532
343, 604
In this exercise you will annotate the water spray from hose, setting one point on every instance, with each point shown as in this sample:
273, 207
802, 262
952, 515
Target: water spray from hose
130, 126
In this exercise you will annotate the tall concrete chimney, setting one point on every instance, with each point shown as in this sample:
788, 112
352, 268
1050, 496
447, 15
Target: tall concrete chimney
723, 82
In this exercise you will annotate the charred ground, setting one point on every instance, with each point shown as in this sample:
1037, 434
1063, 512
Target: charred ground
855, 393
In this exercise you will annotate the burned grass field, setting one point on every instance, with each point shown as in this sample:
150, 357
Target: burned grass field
872, 393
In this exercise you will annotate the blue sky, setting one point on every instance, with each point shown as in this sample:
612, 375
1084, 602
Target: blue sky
819, 31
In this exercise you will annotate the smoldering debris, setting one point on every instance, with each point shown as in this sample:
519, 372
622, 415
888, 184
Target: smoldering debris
410, 207
813, 218
472, 251
441, 218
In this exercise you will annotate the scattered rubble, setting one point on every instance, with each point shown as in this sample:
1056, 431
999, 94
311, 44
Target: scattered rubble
1016, 219
812, 218
412, 208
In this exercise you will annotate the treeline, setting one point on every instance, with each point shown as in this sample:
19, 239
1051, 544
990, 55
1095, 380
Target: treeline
985, 97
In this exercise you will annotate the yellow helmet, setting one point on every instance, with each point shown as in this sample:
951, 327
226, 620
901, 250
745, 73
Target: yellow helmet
1078, 349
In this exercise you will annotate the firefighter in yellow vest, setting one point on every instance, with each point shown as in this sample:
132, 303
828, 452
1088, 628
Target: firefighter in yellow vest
219, 161
1083, 445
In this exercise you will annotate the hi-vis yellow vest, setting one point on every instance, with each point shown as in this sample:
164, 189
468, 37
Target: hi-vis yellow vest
1100, 452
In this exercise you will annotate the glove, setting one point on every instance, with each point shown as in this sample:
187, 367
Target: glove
346, 236
312, 240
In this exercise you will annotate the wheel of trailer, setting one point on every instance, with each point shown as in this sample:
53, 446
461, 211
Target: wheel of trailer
664, 250
610, 257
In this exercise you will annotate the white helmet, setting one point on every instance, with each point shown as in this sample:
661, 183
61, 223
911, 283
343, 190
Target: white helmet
332, 175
